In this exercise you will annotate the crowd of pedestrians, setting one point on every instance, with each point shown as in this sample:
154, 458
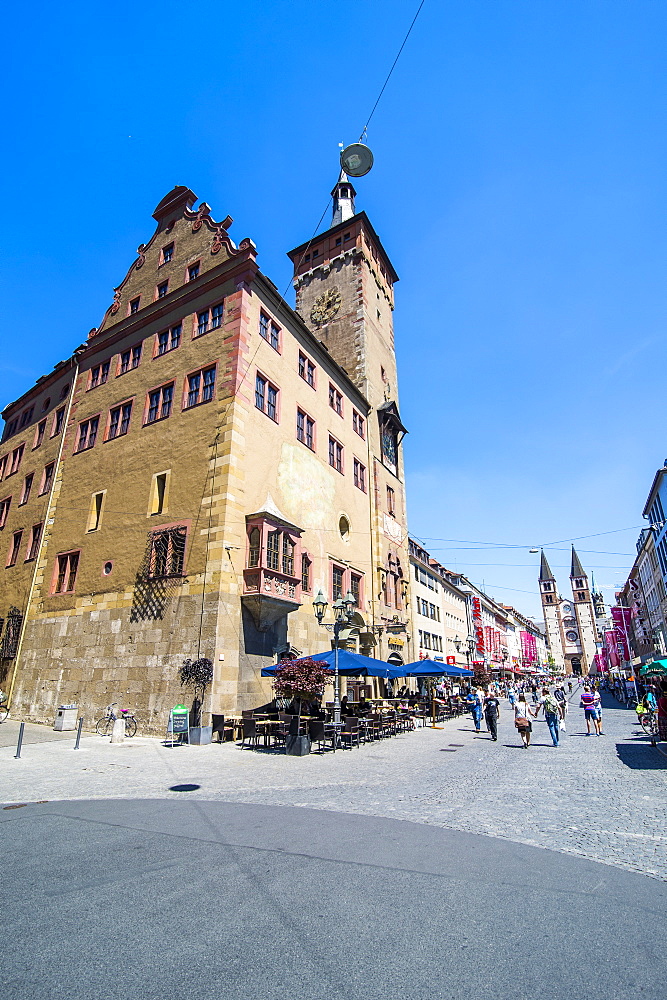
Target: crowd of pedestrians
527, 700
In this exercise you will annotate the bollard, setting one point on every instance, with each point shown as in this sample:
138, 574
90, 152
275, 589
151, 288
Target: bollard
20, 740
78, 734
118, 731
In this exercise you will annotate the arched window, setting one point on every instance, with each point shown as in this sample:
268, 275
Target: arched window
254, 547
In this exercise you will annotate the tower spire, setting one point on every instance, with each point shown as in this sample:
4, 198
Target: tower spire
577, 569
545, 569
343, 200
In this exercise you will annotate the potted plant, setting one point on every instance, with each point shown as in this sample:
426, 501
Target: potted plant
301, 680
198, 674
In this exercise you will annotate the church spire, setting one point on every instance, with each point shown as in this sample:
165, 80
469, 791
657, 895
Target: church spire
577, 569
545, 569
343, 200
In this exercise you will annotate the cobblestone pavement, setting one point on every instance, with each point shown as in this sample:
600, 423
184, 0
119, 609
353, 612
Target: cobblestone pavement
602, 798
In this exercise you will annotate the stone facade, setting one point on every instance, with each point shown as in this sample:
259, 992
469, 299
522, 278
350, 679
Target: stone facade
201, 409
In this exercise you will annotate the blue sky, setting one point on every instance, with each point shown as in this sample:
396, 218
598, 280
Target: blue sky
519, 179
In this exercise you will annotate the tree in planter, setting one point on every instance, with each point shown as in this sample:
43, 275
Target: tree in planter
197, 674
301, 679
481, 679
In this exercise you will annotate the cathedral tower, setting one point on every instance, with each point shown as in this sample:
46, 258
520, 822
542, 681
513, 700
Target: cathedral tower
344, 285
551, 609
585, 613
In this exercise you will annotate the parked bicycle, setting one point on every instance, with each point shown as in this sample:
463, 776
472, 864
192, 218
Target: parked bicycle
649, 722
104, 726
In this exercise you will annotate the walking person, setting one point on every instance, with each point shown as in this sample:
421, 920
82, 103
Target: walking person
587, 702
561, 698
522, 720
491, 713
476, 702
511, 694
551, 714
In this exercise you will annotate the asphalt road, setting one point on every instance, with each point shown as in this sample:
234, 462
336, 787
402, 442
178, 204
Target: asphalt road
156, 899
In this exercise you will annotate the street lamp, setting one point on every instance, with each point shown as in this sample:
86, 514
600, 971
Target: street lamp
343, 610
469, 647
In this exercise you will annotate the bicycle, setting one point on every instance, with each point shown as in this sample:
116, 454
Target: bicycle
4, 710
649, 723
104, 726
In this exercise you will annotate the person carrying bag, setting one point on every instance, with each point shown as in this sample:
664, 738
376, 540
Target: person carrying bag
522, 720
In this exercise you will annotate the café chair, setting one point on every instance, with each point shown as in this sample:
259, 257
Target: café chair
221, 727
350, 731
250, 733
317, 731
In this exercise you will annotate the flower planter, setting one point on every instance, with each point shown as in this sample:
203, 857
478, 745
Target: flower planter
297, 746
200, 735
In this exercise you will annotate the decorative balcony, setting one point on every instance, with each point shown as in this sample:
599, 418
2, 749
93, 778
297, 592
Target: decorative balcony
271, 581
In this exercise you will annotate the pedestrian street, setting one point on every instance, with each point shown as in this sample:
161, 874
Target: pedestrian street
602, 798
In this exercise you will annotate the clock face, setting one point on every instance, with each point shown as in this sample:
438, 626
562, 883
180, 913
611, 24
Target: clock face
389, 445
571, 636
325, 306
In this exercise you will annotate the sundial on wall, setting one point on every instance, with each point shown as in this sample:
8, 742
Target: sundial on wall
325, 306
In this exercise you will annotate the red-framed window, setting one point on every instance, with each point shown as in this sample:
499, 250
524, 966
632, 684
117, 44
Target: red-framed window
199, 387
167, 254
47, 478
39, 433
307, 369
3, 465
129, 359
15, 460
359, 424
4, 510
167, 340
359, 475
306, 572
58, 421
305, 429
65, 571
159, 403
193, 271
119, 420
134, 305
99, 374
14, 548
87, 435
162, 289
27, 488
209, 319
336, 455
33, 544
267, 397
269, 331
335, 400
167, 552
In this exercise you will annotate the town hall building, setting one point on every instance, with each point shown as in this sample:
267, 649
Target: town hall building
204, 464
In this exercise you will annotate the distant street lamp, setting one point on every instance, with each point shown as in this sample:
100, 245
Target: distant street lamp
343, 609
469, 647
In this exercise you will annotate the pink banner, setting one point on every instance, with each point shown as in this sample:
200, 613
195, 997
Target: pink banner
528, 647
621, 618
611, 646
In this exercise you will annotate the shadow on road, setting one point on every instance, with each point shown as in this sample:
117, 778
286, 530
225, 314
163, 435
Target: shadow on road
641, 756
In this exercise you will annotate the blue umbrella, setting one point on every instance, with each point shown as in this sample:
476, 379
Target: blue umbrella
430, 668
349, 665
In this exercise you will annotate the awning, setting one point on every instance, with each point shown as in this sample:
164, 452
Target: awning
658, 668
349, 665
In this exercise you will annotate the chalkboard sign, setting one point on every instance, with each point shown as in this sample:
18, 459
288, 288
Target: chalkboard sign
179, 723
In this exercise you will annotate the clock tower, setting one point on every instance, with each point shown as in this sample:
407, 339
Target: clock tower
344, 282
